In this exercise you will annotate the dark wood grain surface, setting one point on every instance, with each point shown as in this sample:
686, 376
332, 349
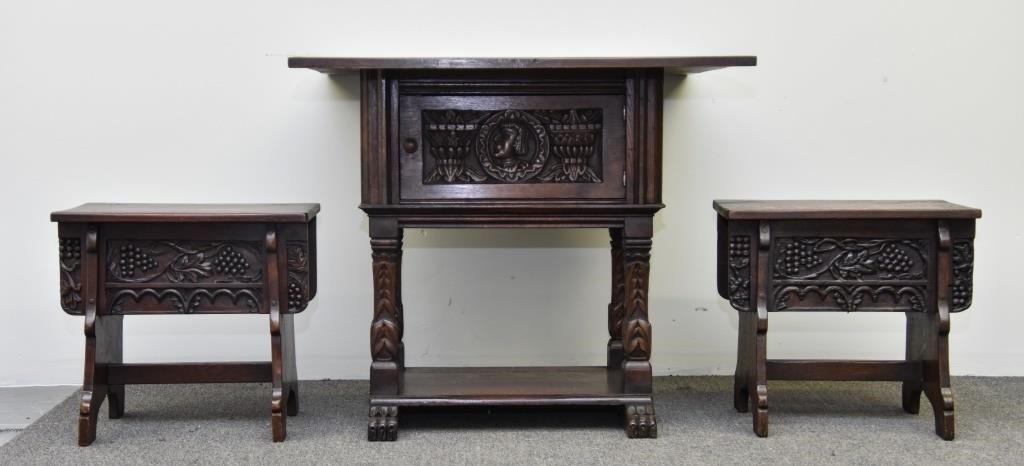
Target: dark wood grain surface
164, 213
673, 65
843, 209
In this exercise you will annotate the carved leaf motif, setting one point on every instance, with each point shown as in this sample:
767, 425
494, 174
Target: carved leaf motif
385, 331
185, 300
963, 274
70, 253
739, 272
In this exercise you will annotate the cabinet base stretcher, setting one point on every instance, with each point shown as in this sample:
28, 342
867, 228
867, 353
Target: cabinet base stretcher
511, 387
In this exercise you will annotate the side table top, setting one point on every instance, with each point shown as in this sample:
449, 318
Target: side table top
228, 213
823, 209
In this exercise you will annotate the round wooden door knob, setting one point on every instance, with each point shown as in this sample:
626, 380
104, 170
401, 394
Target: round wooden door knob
410, 145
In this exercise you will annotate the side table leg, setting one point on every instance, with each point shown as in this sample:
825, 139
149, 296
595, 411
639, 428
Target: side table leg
281, 342
386, 329
103, 345
759, 371
636, 328
936, 354
917, 327
616, 308
744, 362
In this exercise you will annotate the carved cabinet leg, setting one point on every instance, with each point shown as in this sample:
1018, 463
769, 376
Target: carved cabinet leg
386, 329
636, 328
617, 307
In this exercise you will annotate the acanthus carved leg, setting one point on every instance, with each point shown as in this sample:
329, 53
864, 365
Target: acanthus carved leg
636, 328
383, 424
641, 421
386, 328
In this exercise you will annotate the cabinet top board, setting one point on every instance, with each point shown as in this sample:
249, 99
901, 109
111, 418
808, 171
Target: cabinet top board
671, 65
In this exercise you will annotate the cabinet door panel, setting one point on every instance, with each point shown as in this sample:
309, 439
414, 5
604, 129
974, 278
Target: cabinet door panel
511, 147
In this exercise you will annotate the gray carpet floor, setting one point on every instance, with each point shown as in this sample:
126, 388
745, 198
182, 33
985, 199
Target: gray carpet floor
811, 423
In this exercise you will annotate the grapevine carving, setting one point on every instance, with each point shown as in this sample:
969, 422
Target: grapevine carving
512, 146
70, 252
850, 259
850, 274
298, 276
739, 272
162, 261
963, 274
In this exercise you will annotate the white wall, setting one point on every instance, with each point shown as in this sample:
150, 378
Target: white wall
192, 102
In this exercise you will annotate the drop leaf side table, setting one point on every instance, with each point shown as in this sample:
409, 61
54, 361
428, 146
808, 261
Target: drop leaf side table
914, 257
513, 142
146, 259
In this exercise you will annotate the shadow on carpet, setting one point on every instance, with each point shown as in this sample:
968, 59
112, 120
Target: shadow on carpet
811, 423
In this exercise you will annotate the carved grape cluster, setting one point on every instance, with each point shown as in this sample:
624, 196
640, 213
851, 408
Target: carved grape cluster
739, 246
132, 259
961, 293
797, 256
295, 295
70, 248
894, 260
231, 263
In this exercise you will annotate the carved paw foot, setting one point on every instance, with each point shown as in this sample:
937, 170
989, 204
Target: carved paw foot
383, 424
641, 422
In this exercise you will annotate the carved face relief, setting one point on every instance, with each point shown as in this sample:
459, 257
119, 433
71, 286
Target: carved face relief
512, 146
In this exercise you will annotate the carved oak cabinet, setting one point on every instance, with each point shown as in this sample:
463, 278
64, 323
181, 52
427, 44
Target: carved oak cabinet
513, 142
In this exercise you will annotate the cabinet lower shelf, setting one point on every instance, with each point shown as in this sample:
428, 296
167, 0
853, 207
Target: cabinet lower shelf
511, 386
